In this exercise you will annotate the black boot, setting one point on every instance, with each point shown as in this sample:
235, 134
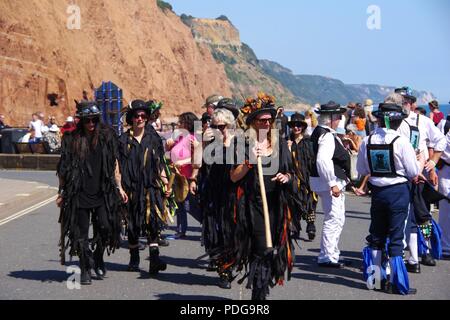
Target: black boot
258, 294
86, 278
427, 260
225, 280
311, 231
156, 264
212, 266
85, 256
133, 266
99, 263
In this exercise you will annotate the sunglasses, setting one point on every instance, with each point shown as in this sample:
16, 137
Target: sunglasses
220, 127
264, 121
140, 116
296, 125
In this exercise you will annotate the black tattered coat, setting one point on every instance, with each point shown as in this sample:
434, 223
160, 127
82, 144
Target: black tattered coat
140, 165
72, 169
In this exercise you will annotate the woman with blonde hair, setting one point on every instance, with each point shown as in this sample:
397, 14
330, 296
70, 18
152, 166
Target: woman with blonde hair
266, 263
311, 120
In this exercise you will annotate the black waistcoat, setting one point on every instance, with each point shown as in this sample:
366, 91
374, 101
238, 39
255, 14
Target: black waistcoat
341, 157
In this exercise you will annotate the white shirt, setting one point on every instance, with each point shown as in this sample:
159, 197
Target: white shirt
446, 154
441, 125
325, 166
37, 126
428, 131
404, 158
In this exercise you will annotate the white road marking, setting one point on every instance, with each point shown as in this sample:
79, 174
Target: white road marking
42, 187
27, 211
23, 195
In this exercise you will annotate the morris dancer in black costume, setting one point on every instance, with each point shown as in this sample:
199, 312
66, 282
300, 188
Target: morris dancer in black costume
142, 169
266, 267
217, 191
303, 158
89, 184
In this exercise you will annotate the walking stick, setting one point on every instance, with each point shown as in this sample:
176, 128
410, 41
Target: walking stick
62, 238
265, 206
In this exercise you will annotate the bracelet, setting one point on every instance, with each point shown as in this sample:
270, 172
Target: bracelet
193, 180
435, 164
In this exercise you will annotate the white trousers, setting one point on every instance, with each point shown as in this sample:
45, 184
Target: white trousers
444, 208
333, 223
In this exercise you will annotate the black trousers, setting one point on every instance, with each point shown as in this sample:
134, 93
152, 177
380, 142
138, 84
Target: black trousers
101, 230
99, 221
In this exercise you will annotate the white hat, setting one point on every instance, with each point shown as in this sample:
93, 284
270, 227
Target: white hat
54, 128
69, 119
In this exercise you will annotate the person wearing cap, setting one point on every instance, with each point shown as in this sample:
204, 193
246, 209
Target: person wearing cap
90, 185
390, 161
211, 103
52, 139
68, 126
264, 265
142, 172
329, 178
436, 116
302, 157
423, 134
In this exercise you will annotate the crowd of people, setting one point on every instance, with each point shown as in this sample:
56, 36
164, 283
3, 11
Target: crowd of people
250, 175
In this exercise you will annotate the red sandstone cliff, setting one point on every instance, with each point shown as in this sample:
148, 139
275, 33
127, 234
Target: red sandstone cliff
144, 50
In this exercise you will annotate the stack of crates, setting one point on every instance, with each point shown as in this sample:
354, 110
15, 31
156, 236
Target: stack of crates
109, 99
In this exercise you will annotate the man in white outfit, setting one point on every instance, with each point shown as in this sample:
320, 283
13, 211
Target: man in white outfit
330, 175
420, 130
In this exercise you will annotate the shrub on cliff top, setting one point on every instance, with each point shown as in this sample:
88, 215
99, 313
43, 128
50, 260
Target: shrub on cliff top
164, 5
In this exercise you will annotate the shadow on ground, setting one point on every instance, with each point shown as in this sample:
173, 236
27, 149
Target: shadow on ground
41, 275
173, 296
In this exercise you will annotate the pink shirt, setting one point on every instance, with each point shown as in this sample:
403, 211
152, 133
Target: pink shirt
182, 151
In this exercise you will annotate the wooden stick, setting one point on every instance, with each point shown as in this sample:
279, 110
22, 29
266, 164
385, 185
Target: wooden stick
265, 206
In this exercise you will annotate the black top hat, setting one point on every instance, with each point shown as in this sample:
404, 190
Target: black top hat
134, 106
393, 111
298, 118
331, 108
230, 105
407, 93
87, 109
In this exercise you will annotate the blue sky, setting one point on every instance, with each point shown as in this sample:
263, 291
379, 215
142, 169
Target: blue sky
331, 38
